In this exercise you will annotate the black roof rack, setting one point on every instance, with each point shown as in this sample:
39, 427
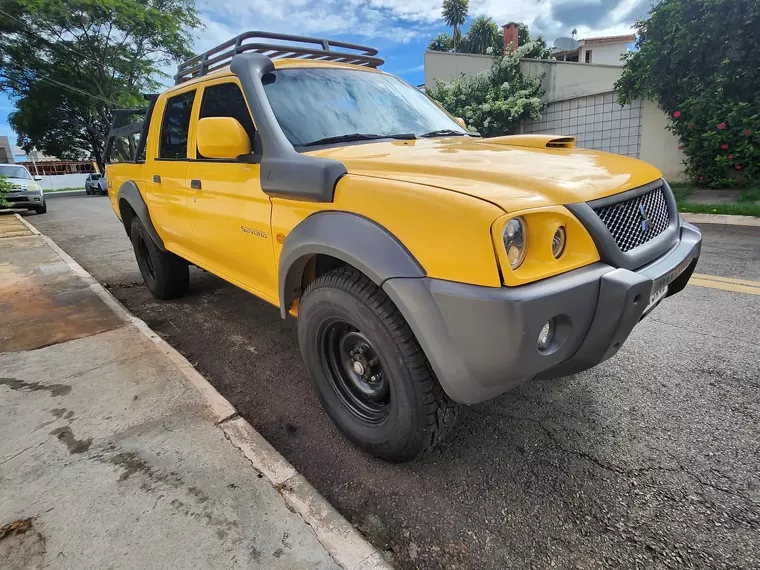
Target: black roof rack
220, 56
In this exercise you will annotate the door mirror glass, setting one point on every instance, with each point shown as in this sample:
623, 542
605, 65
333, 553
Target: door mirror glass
460, 122
222, 137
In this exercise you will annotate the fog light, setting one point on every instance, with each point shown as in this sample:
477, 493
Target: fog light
558, 242
546, 335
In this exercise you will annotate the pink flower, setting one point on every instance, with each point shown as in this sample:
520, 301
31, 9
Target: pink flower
730, 157
676, 114
738, 167
724, 146
746, 132
701, 178
721, 126
680, 147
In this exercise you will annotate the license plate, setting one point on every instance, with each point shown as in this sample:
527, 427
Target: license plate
660, 287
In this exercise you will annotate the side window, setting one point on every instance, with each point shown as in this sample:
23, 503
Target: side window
226, 100
175, 126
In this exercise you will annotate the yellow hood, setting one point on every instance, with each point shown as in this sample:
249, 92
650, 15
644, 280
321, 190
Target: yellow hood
510, 176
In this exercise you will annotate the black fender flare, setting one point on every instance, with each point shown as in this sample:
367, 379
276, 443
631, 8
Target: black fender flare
352, 238
129, 194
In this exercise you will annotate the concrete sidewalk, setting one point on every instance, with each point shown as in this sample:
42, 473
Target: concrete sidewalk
115, 453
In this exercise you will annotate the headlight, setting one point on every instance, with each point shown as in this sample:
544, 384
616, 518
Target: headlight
515, 241
558, 242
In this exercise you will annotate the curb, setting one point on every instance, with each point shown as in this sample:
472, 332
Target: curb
724, 219
341, 540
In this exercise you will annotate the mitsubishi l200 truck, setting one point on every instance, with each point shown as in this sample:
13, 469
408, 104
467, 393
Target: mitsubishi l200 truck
427, 267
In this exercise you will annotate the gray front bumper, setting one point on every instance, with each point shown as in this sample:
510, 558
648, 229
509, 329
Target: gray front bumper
27, 199
482, 341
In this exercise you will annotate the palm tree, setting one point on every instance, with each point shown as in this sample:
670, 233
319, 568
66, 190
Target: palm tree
454, 14
441, 42
481, 35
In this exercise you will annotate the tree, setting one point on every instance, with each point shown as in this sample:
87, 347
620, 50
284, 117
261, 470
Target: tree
698, 60
481, 35
441, 42
454, 14
496, 101
67, 64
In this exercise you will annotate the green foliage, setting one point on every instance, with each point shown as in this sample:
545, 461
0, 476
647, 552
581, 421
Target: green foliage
454, 13
483, 33
5, 187
494, 102
441, 42
67, 63
698, 60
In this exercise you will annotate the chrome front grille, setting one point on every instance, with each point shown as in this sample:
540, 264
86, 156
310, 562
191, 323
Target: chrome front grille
635, 221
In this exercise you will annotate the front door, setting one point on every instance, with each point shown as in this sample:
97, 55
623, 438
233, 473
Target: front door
229, 213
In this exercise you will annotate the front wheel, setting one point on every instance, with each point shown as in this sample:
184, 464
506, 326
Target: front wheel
166, 275
41, 209
369, 371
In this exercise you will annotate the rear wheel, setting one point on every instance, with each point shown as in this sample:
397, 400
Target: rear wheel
166, 275
369, 371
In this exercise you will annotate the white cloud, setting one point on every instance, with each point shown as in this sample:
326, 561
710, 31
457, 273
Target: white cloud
402, 20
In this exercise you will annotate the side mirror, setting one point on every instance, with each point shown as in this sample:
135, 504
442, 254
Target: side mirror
38, 178
460, 122
222, 137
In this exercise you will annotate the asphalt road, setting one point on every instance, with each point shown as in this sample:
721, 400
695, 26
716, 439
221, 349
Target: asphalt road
650, 460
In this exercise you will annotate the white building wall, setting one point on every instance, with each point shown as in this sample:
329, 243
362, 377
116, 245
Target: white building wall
596, 121
604, 54
659, 147
62, 181
442, 66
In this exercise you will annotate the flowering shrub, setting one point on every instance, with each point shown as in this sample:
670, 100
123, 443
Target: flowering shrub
494, 102
5, 187
721, 140
698, 60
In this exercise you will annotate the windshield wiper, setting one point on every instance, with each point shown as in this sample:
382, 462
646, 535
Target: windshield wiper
360, 137
445, 133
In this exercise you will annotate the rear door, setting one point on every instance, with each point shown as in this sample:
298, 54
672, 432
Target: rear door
229, 213
167, 196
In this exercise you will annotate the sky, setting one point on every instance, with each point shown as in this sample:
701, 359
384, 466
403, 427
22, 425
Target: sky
400, 29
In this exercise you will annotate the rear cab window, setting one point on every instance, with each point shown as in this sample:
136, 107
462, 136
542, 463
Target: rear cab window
175, 127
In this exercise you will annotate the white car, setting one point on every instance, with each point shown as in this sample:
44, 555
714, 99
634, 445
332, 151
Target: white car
26, 191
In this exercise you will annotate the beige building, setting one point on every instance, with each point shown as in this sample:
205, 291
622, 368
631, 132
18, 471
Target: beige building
6, 153
581, 102
607, 50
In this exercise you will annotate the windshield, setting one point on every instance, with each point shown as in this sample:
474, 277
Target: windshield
14, 172
312, 104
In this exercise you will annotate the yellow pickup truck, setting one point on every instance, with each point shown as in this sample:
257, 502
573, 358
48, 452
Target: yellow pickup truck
427, 267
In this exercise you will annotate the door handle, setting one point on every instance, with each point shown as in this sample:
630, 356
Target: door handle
156, 179
195, 184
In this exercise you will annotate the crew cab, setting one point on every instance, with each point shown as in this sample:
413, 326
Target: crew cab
427, 267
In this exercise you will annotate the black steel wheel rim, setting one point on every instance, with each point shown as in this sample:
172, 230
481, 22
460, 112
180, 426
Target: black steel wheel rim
354, 371
145, 254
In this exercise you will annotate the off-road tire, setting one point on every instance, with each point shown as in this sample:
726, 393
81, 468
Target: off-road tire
420, 412
166, 275
41, 209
